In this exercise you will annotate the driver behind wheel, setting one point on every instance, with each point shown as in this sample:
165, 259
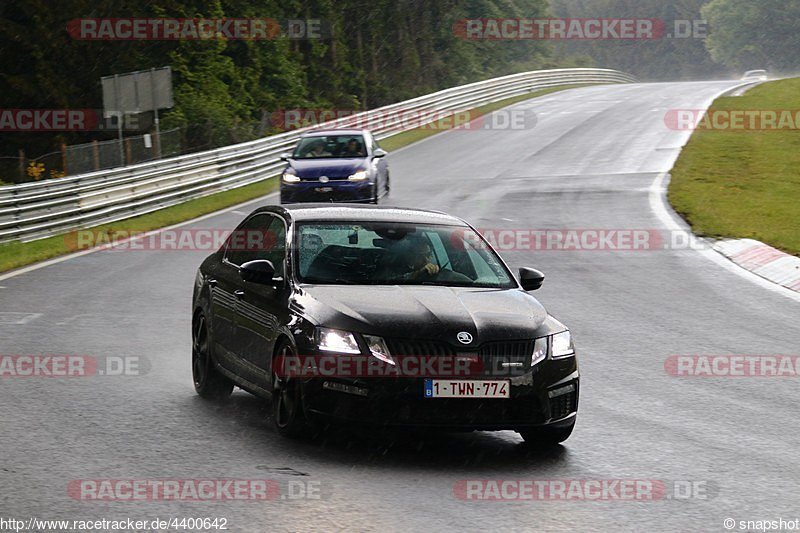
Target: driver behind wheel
415, 263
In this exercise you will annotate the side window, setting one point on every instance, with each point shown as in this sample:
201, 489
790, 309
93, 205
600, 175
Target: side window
373, 144
260, 237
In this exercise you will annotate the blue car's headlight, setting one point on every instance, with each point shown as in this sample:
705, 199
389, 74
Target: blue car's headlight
359, 175
290, 175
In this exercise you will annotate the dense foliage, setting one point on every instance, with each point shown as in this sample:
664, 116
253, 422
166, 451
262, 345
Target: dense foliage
753, 35
375, 52
665, 58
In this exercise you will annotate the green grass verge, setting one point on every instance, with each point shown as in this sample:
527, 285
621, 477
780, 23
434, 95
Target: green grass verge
744, 183
17, 254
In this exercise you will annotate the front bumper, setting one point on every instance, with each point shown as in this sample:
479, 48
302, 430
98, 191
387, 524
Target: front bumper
332, 191
546, 395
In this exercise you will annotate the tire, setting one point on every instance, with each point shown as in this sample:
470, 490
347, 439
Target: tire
287, 401
208, 382
546, 436
374, 199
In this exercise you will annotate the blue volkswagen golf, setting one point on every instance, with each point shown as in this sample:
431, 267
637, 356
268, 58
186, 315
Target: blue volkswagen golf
341, 165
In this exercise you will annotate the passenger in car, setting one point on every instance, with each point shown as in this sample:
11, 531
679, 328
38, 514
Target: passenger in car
353, 149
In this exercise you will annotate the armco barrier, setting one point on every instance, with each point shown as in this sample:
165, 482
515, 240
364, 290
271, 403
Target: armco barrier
35, 210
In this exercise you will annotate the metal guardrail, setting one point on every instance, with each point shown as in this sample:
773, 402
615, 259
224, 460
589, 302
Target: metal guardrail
35, 210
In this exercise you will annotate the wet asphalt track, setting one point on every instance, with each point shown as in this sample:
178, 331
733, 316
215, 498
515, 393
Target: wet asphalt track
590, 162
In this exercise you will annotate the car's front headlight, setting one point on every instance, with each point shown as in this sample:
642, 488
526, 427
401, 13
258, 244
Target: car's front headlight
359, 175
539, 350
290, 175
561, 345
378, 349
334, 340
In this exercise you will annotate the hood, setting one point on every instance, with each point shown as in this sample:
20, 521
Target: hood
331, 167
427, 312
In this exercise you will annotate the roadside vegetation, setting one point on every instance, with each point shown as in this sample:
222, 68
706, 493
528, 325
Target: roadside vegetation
745, 183
359, 55
17, 254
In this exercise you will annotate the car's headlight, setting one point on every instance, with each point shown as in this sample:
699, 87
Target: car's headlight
561, 345
359, 175
378, 349
539, 350
334, 340
290, 176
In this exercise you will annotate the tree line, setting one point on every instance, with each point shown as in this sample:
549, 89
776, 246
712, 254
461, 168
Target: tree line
372, 52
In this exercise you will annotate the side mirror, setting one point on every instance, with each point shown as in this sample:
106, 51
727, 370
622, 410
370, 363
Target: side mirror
285, 156
530, 278
380, 152
258, 271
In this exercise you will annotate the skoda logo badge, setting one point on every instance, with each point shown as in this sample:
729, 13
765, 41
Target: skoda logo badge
464, 337
323, 179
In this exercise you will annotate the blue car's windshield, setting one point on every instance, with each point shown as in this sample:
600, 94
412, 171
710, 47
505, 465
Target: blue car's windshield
363, 253
330, 146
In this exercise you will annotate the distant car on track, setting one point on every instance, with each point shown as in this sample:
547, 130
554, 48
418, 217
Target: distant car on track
402, 290
338, 165
755, 75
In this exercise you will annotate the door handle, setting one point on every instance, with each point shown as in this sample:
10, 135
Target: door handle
239, 293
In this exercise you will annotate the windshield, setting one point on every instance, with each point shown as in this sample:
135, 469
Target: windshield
396, 254
330, 146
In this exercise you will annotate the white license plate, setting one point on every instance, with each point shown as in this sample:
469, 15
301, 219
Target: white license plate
455, 388
324, 189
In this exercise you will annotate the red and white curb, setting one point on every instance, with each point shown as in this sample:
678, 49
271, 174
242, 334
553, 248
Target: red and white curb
763, 260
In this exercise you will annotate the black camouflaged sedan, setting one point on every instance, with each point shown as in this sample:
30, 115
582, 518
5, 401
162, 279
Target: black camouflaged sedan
384, 316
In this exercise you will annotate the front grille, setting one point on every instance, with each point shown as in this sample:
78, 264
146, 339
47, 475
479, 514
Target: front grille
499, 358
512, 349
561, 406
402, 347
506, 358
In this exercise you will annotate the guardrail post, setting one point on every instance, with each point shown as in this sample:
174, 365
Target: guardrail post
128, 156
64, 166
21, 165
96, 154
